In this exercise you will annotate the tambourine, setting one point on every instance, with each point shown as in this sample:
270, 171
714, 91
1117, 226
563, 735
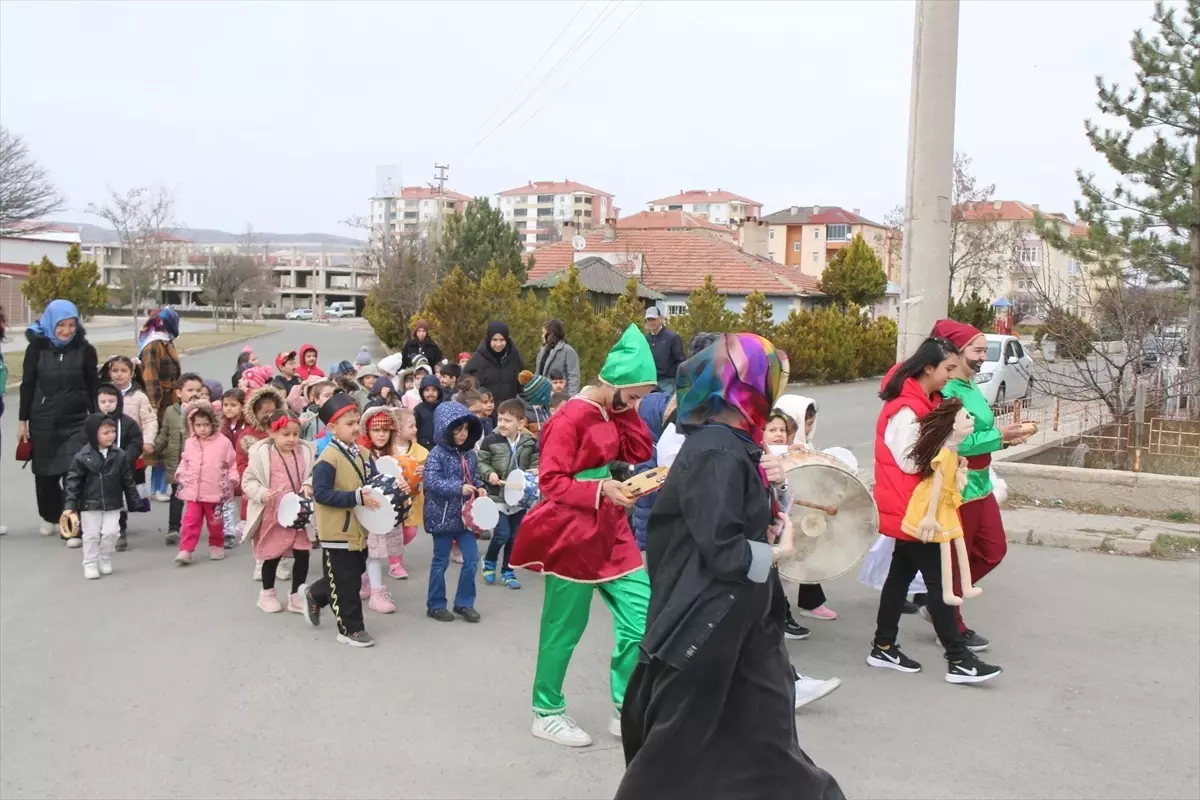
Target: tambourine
480, 514
68, 525
295, 511
393, 505
646, 482
520, 489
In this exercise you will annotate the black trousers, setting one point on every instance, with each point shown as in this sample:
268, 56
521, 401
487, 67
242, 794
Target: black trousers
175, 512
907, 559
299, 570
49, 491
810, 596
339, 586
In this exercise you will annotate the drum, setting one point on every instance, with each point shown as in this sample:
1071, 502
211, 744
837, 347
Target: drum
388, 466
295, 511
521, 489
393, 508
480, 514
834, 518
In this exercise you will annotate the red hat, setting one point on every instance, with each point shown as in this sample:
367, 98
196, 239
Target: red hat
464, 355
284, 357
957, 333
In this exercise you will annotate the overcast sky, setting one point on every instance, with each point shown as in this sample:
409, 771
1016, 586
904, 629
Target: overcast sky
277, 114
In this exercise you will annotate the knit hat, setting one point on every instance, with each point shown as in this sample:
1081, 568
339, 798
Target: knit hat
629, 362
367, 369
215, 390
464, 356
342, 368
378, 417
364, 356
392, 364
535, 388
257, 377
959, 334
335, 407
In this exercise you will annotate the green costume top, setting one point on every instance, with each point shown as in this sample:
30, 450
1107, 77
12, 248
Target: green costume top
985, 439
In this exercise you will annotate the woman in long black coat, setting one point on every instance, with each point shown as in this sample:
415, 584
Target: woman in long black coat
709, 711
58, 391
421, 346
496, 363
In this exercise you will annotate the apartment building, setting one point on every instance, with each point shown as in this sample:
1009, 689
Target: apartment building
538, 210
720, 207
413, 210
808, 237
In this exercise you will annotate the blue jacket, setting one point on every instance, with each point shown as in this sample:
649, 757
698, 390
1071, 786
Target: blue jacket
651, 411
444, 476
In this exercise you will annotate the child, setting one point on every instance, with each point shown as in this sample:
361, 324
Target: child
449, 375
431, 397
233, 421
366, 378
489, 405
129, 441
451, 477
287, 378
206, 476
310, 425
556, 401
407, 448
384, 393
363, 357
509, 448
535, 394
558, 381
474, 403
99, 481
277, 466
297, 398
463, 358
467, 383
168, 445
406, 381
260, 405
308, 363
420, 371
121, 372
379, 440
337, 480
254, 378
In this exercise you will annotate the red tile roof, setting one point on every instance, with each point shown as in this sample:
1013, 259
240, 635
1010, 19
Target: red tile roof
666, 220
818, 215
706, 196
554, 187
428, 193
677, 261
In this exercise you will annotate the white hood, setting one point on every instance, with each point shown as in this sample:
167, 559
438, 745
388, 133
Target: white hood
796, 406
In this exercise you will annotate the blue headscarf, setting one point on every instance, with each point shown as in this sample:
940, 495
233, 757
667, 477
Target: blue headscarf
56, 312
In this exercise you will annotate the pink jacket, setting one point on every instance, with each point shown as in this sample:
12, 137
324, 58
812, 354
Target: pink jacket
208, 469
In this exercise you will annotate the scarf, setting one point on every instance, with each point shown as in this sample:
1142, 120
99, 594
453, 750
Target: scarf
57, 311
733, 381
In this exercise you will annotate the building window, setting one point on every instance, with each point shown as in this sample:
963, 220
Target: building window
545, 212
795, 247
816, 257
545, 198
837, 233
771, 233
410, 214
699, 208
579, 198
676, 309
1072, 267
520, 212
816, 233
675, 207
1029, 255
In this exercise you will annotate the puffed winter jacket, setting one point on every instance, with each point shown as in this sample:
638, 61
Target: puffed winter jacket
444, 471
207, 471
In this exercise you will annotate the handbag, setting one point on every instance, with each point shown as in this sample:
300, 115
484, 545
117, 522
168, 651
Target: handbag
25, 451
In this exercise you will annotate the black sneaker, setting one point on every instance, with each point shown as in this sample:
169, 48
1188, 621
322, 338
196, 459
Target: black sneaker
230, 541
172, 538
891, 657
467, 613
440, 614
122, 543
359, 639
974, 642
794, 630
312, 610
909, 607
969, 669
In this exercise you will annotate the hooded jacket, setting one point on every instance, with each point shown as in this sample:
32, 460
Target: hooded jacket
100, 481
256, 480
58, 391
449, 467
129, 434
424, 412
796, 406
497, 372
305, 372
253, 431
652, 410
208, 470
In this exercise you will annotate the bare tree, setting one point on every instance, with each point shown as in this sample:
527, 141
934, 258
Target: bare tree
27, 196
983, 247
405, 271
227, 276
894, 240
259, 289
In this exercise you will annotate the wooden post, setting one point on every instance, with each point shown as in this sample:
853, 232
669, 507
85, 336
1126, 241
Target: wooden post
1057, 410
1017, 410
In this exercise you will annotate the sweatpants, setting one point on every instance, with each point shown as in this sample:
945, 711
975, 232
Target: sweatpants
338, 587
503, 537
198, 511
987, 544
49, 491
299, 570
907, 559
100, 530
175, 510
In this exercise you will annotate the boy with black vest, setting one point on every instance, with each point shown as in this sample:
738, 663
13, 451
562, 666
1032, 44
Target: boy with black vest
338, 477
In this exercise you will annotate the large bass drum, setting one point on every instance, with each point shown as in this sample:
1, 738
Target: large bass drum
834, 518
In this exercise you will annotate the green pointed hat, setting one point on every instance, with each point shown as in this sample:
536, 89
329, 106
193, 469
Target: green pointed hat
630, 362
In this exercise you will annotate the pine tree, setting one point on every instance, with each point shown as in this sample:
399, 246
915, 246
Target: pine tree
588, 331
502, 300
757, 315
478, 238
822, 345
629, 308
855, 275
457, 312
78, 282
705, 312
1151, 220
974, 310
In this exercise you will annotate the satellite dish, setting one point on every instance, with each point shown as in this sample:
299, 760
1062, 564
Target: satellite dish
578, 242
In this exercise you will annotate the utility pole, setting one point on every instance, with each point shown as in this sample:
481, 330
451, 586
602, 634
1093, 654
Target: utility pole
925, 269
440, 177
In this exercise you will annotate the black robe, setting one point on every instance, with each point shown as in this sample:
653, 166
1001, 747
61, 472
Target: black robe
709, 711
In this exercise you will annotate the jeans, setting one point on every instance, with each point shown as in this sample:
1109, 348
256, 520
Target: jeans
504, 536
158, 479
464, 597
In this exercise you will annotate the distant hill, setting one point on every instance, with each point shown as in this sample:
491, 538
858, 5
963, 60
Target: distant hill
97, 234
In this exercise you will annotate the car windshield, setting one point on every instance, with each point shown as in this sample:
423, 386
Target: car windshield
993, 351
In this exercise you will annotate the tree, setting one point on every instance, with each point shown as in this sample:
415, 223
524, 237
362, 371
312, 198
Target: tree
456, 311
406, 274
823, 344
757, 315
706, 311
502, 300
1146, 228
479, 237
590, 333
629, 308
78, 282
974, 310
227, 274
855, 275
27, 195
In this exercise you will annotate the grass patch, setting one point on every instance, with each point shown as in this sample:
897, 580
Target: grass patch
1181, 516
1016, 499
1167, 545
186, 341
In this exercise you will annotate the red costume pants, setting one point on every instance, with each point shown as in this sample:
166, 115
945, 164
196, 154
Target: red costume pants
983, 530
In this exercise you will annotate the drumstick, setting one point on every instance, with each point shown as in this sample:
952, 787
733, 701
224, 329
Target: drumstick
830, 510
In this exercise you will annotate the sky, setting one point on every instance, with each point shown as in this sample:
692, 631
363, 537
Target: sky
277, 114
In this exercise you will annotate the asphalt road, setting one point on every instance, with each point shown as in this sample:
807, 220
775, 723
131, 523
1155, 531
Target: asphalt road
168, 682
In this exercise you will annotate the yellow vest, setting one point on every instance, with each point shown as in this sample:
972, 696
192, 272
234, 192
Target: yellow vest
341, 524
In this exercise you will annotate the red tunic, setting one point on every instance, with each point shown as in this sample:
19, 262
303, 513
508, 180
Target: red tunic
572, 532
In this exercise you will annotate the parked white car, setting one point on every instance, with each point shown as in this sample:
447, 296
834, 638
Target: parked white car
1007, 373
340, 310
300, 313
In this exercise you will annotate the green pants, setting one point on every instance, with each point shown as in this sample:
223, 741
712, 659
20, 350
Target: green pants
565, 612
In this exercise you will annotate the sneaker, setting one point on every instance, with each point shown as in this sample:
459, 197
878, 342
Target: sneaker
794, 630
230, 541
560, 729
310, 609
509, 579
161, 497
440, 614
74, 543
974, 642
122, 543
268, 602
106, 566
359, 639
284, 572
809, 690
820, 612
3, 530
183, 558
381, 601
91, 572
467, 613
364, 588
45, 529
172, 538
890, 657
489, 573
614, 725
456, 555
909, 607
396, 569
969, 669
258, 572
216, 554
295, 603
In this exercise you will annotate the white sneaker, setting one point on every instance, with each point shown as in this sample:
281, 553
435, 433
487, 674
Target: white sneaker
74, 543
106, 566
614, 724
161, 497
284, 572
91, 572
560, 729
46, 529
809, 690
258, 571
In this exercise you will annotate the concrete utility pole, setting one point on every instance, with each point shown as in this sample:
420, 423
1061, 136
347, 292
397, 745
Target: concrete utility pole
925, 269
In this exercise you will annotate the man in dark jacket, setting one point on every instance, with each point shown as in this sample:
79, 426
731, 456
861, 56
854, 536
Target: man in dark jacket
431, 396
667, 348
99, 484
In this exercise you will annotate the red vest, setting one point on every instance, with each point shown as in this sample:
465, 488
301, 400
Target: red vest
893, 486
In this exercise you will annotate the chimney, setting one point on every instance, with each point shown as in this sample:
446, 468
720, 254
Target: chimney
997, 204
1036, 207
856, 211
816, 210
795, 210
610, 229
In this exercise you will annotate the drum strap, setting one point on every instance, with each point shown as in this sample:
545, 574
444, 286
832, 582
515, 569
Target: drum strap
295, 461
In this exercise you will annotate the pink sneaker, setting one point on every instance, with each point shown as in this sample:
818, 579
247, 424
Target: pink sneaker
364, 591
396, 568
296, 603
820, 612
381, 601
268, 602
456, 554
216, 554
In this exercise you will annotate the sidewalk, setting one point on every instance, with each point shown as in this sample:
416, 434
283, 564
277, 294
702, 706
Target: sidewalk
1059, 527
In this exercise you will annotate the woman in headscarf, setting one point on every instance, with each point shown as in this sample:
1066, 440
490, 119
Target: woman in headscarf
421, 345
3, 380
497, 363
709, 709
160, 375
58, 391
556, 354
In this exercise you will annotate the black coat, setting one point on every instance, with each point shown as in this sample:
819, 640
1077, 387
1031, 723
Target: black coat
129, 433
97, 482
497, 372
58, 391
428, 349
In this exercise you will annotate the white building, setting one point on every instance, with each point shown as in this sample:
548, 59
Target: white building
538, 209
17, 252
720, 207
414, 210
